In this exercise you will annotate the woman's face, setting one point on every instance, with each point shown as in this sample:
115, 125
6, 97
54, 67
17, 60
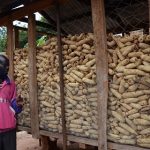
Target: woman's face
3, 67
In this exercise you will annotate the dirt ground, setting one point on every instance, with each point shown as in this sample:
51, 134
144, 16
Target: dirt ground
26, 142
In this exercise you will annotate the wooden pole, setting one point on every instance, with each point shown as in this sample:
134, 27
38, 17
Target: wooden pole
33, 76
45, 145
149, 14
16, 32
61, 75
10, 48
99, 26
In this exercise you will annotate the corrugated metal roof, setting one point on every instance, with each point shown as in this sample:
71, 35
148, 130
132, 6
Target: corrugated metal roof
121, 15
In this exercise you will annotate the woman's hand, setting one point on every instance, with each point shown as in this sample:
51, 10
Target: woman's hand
19, 101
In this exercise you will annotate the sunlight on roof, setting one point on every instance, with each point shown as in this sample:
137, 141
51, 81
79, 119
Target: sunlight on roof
38, 16
18, 7
22, 24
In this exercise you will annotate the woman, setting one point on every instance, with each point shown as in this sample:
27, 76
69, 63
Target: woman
9, 107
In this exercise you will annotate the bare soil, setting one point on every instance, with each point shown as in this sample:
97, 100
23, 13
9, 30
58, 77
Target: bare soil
26, 142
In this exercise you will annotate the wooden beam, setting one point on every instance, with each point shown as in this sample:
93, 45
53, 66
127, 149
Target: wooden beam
51, 21
10, 48
40, 24
71, 138
30, 8
21, 128
115, 146
33, 76
56, 135
25, 29
99, 26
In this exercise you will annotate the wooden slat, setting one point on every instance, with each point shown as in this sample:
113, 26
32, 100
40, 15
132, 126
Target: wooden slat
59, 136
10, 48
33, 76
115, 146
71, 138
21, 128
99, 26
111, 146
82, 140
31, 8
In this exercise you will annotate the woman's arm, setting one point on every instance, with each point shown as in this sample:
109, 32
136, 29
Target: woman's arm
16, 104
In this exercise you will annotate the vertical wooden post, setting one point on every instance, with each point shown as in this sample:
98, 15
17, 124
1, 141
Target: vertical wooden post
47, 144
61, 76
10, 48
16, 32
33, 76
99, 26
149, 14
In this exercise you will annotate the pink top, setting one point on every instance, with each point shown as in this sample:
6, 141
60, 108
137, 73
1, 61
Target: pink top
7, 113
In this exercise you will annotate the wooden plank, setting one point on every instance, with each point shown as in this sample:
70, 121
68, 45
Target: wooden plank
71, 138
10, 48
115, 146
86, 141
56, 135
21, 128
33, 76
82, 140
31, 8
99, 26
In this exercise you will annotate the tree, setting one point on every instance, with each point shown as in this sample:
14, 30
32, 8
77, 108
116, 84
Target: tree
3, 39
23, 38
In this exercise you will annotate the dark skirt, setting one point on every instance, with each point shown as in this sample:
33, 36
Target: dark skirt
8, 140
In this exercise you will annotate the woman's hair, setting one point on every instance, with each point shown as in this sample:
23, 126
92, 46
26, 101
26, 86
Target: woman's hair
4, 61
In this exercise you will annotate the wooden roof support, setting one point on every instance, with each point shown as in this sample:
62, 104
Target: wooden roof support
61, 76
33, 77
30, 8
38, 32
16, 32
40, 24
99, 26
10, 47
51, 21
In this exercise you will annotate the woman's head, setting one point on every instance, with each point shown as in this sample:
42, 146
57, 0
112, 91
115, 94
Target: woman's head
4, 67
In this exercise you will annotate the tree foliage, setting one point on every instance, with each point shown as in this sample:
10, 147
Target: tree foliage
23, 37
3, 39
